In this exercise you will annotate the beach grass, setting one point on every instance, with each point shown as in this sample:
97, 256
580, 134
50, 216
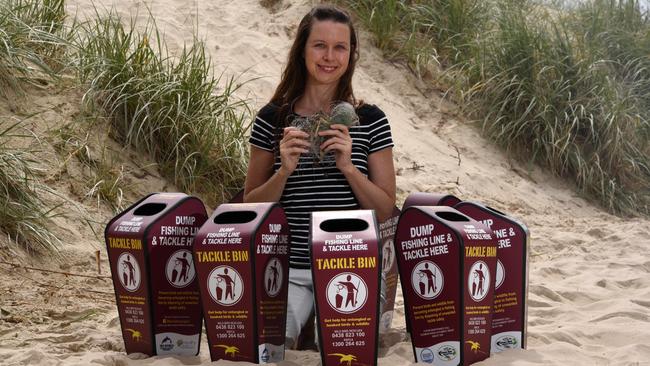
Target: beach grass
107, 178
384, 18
103, 174
31, 45
171, 107
24, 217
565, 87
168, 106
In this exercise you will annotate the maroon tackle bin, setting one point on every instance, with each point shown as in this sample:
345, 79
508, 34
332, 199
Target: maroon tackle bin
150, 253
447, 264
509, 320
242, 258
430, 199
345, 264
388, 269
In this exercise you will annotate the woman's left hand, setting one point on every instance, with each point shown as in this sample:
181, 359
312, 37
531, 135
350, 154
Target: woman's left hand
338, 140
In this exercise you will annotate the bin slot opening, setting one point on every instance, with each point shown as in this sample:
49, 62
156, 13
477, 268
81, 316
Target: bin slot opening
495, 210
342, 225
451, 216
235, 217
149, 209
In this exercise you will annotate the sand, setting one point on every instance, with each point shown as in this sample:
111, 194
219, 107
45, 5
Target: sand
589, 294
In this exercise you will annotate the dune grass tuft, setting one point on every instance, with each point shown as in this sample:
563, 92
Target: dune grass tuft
30, 43
566, 87
171, 107
23, 215
103, 175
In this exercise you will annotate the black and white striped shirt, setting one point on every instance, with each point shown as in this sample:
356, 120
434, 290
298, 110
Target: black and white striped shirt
319, 187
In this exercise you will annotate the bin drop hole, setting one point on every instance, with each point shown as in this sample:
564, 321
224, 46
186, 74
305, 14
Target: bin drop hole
149, 209
451, 216
235, 217
342, 225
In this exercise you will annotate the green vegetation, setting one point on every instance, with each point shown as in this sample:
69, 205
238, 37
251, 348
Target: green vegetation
23, 215
29, 43
564, 87
172, 108
104, 173
107, 178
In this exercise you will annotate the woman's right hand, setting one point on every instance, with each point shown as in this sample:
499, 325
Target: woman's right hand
294, 142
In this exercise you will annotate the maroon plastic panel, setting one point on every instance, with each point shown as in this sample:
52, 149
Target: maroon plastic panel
509, 318
149, 249
272, 273
388, 268
447, 265
430, 199
345, 265
243, 267
175, 289
238, 197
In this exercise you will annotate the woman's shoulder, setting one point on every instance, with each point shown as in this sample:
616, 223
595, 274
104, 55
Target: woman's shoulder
370, 113
268, 113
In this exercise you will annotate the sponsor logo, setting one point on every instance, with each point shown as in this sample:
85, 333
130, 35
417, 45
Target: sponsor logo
185, 344
474, 346
228, 350
447, 353
386, 319
507, 342
343, 358
166, 344
136, 335
426, 355
265, 355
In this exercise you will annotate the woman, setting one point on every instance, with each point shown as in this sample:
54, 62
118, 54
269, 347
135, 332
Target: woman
282, 169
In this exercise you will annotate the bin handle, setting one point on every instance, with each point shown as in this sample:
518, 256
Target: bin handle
344, 225
452, 216
149, 209
235, 217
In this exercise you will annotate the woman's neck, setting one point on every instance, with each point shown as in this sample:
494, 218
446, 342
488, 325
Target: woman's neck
317, 98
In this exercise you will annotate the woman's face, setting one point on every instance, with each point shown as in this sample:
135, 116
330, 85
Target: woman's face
327, 52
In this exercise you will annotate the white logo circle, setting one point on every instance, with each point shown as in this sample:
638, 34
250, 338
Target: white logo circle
128, 272
478, 281
501, 274
427, 280
273, 277
347, 293
388, 256
225, 285
180, 268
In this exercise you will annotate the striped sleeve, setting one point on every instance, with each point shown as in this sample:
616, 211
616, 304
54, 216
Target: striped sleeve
262, 131
379, 131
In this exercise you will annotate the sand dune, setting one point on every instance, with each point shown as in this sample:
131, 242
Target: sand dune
589, 298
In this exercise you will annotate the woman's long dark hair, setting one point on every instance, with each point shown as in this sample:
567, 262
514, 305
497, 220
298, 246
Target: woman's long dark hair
294, 76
